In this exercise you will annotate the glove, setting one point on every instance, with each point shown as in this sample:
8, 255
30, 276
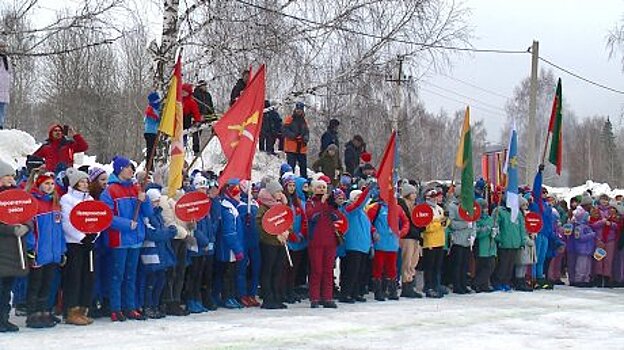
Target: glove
21, 230
541, 168
63, 260
192, 226
172, 230
292, 237
88, 239
239, 256
376, 237
190, 240
494, 232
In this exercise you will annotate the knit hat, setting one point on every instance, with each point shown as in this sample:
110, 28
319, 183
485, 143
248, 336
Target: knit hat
345, 180
153, 194
287, 178
273, 187
431, 193
120, 163
332, 147
338, 193
354, 195
586, 200
33, 162
334, 123
284, 168
522, 201
325, 179
94, 173
366, 157
407, 189
6, 169
317, 183
200, 182
201, 83
41, 179
299, 105
74, 176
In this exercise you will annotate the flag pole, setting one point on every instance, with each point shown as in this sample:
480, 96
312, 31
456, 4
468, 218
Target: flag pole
148, 165
249, 197
545, 147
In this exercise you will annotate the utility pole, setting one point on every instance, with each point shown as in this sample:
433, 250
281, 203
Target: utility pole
398, 94
532, 132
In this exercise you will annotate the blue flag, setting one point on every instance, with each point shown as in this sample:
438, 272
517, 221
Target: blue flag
511, 169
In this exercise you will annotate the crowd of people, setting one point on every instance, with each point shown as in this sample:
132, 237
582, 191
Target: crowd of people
149, 264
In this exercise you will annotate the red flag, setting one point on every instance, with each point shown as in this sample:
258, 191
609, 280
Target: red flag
239, 128
385, 179
231, 127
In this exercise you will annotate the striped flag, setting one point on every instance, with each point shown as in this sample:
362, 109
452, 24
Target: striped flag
171, 125
511, 169
463, 160
555, 128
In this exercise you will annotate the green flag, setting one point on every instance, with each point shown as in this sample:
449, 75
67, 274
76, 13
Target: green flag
555, 128
463, 160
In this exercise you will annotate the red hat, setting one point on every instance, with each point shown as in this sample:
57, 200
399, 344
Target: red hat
41, 179
366, 157
188, 88
325, 178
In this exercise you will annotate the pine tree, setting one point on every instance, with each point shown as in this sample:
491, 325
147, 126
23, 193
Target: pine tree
610, 153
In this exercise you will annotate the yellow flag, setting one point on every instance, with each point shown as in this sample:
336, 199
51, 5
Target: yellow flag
459, 157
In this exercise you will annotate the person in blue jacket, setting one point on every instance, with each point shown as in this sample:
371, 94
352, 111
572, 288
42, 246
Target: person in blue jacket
358, 243
156, 256
46, 251
297, 243
546, 239
210, 226
125, 238
251, 264
229, 248
152, 121
197, 255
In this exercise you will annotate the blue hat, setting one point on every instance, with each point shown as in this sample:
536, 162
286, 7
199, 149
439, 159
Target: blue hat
285, 168
120, 163
233, 182
299, 105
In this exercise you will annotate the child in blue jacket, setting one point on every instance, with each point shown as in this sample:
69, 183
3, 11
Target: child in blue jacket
156, 256
46, 251
248, 288
294, 189
229, 248
125, 238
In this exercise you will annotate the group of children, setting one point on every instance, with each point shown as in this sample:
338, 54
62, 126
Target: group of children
150, 264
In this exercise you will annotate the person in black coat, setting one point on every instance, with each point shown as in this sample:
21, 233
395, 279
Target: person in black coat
330, 136
203, 99
241, 84
271, 129
11, 264
352, 153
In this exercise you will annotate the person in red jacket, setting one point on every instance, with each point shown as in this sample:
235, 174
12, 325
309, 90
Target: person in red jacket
60, 147
322, 246
191, 115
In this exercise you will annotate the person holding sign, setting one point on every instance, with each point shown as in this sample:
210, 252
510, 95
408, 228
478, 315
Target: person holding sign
271, 247
527, 254
11, 246
297, 244
410, 244
322, 246
463, 235
46, 251
125, 237
434, 239
78, 275
510, 237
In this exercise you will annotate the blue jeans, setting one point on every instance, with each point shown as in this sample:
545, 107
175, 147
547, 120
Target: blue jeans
541, 248
123, 278
3, 110
244, 287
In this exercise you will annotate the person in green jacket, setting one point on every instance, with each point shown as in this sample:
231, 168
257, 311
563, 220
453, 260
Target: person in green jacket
486, 250
510, 237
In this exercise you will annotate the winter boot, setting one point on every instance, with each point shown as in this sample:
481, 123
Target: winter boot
21, 310
231, 304
360, 299
35, 320
391, 286
135, 315
50, 319
175, 309
84, 312
74, 316
150, 312
5, 325
329, 304
432, 293
522, 285
408, 291
193, 306
380, 294
315, 304
117, 316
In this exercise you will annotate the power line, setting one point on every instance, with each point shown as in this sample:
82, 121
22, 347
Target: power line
381, 37
476, 86
580, 77
476, 106
468, 97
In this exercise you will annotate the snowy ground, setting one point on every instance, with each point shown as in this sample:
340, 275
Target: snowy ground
566, 318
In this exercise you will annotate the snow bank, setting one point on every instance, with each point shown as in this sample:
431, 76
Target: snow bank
596, 189
15, 145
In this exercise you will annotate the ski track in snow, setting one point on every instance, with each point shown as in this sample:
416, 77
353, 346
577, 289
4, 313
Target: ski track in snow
567, 318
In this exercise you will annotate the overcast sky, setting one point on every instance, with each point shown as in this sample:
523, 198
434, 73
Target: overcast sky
571, 33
